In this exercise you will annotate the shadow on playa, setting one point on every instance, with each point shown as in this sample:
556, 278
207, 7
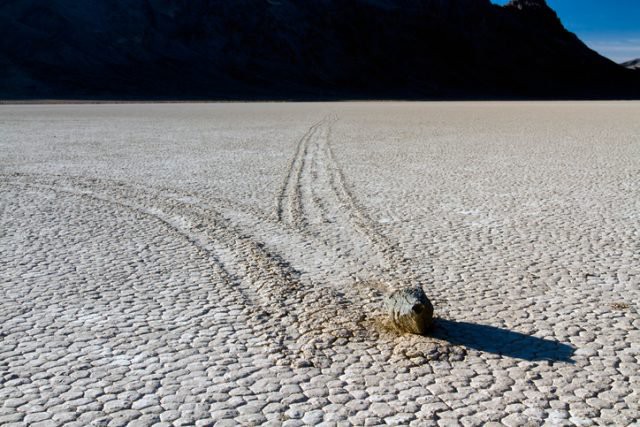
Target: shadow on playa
502, 341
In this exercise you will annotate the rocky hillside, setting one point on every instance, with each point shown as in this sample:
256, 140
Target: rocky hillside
287, 49
634, 64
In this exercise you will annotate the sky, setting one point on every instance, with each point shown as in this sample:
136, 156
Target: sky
610, 27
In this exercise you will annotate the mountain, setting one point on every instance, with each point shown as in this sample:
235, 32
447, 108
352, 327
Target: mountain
288, 49
634, 64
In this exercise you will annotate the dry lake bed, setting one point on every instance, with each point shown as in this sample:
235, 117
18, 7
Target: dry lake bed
225, 264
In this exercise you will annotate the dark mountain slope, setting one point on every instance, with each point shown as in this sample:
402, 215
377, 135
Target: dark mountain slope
261, 49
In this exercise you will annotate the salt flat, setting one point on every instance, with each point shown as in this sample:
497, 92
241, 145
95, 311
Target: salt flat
180, 264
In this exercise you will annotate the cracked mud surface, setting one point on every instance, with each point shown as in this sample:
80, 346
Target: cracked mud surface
224, 264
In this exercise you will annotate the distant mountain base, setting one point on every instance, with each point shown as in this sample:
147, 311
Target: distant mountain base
288, 50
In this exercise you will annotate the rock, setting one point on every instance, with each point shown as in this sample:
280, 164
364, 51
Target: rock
410, 310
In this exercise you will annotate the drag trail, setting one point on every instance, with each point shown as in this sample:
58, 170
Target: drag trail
316, 200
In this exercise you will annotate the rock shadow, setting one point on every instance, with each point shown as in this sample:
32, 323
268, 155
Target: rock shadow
502, 342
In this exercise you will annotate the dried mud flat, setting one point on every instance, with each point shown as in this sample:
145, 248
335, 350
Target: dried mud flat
224, 264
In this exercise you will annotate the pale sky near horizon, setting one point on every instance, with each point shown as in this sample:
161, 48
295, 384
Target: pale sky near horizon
610, 27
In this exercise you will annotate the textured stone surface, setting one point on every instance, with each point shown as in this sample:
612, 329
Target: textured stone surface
410, 310
226, 263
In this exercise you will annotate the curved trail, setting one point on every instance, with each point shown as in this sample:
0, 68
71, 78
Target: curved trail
237, 242
267, 284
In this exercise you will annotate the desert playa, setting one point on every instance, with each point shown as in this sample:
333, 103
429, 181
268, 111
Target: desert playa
225, 264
